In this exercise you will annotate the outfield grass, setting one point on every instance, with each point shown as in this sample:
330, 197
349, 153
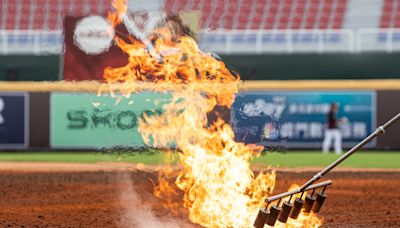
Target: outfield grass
370, 159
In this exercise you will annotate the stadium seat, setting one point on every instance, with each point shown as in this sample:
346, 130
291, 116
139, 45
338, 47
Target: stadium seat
280, 14
390, 14
47, 15
215, 14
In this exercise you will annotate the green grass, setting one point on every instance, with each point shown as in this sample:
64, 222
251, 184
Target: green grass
371, 159
82, 157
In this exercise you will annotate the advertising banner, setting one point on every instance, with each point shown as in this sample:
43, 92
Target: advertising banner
13, 120
299, 119
89, 46
90, 121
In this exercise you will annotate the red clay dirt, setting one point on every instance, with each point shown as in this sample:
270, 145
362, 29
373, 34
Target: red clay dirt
89, 197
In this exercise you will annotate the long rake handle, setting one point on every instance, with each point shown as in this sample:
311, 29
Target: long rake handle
379, 131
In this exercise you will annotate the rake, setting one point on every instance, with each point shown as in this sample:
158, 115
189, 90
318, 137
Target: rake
313, 201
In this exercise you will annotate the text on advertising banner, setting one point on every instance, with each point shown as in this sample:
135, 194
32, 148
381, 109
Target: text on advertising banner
13, 120
91, 121
299, 119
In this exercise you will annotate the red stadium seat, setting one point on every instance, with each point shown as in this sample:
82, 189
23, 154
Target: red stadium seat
396, 24
283, 22
270, 22
385, 24
386, 18
217, 14
273, 9
387, 8
324, 18
44, 14
228, 21
313, 9
389, 14
323, 25
295, 25
286, 9
271, 19
256, 22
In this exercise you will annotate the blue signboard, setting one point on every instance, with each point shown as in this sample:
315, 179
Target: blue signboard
13, 120
299, 119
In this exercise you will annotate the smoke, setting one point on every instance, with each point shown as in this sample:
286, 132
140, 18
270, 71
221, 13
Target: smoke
136, 212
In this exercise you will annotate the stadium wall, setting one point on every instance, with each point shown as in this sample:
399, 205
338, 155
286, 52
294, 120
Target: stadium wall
39, 114
388, 105
315, 66
250, 67
29, 68
40, 133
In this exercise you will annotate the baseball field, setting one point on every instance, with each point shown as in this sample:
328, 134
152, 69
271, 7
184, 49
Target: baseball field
103, 189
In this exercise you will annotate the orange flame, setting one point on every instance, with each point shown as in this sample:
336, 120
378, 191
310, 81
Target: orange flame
120, 7
310, 220
219, 187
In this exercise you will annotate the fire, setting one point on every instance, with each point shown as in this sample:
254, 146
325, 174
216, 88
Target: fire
311, 220
219, 187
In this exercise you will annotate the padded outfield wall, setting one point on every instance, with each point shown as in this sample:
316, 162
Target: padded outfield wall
29, 68
250, 67
54, 120
315, 66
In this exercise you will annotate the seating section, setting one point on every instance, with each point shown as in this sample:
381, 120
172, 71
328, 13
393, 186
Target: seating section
216, 14
390, 17
264, 14
46, 14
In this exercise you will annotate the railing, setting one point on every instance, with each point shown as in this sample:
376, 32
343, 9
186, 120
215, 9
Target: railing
40, 42
278, 41
370, 40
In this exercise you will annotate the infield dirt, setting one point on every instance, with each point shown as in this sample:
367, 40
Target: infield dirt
53, 196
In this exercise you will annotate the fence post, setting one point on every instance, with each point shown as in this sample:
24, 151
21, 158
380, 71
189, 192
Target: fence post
228, 40
358, 39
289, 41
35, 41
352, 44
259, 42
320, 41
5, 42
389, 46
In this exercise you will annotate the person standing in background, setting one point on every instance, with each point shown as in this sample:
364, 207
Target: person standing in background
333, 131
